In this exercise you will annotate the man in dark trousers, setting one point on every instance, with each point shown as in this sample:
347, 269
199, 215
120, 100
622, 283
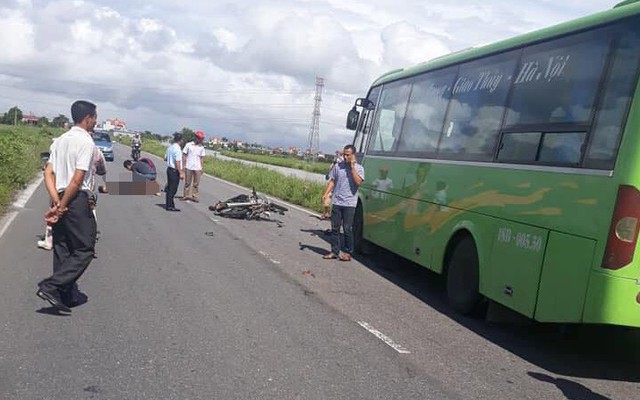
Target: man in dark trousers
344, 180
173, 157
69, 179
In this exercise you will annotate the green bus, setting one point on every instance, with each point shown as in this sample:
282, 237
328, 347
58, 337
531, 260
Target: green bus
514, 170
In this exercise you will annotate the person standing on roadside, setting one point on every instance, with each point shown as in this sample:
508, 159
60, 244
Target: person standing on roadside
69, 179
99, 167
173, 157
344, 180
193, 157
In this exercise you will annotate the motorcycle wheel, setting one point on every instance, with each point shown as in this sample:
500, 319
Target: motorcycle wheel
234, 212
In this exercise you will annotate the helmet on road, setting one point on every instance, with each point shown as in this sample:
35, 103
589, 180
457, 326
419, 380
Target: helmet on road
200, 135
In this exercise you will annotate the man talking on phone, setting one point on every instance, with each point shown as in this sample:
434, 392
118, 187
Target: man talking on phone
344, 181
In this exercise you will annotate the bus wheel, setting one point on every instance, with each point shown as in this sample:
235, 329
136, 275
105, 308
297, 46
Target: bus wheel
361, 246
463, 278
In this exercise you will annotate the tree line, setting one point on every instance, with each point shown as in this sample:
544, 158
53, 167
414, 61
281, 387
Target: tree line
14, 117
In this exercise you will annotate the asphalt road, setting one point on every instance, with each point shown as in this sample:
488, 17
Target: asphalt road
190, 306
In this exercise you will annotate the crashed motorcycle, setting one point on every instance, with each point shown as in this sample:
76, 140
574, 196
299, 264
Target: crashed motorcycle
253, 206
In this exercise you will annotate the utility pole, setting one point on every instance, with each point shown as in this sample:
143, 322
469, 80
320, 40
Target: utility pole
15, 115
313, 145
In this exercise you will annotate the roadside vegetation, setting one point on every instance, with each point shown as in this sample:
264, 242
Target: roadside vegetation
293, 190
149, 145
20, 148
21, 145
319, 167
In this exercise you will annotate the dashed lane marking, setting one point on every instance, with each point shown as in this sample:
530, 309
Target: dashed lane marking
384, 338
268, 257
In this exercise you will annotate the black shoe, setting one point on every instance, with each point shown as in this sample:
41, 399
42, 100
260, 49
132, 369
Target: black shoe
55, 302
76, 300
172, 209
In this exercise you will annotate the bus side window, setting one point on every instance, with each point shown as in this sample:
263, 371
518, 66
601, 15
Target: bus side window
477, 107
519, 147
562, 148
564, 90
426, 111
615, 102
388, 119
387, 128
367, 116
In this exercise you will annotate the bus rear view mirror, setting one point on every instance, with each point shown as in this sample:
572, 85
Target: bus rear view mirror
352, 119
365, 103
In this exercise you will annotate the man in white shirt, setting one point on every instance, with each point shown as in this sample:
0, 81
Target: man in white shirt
173, 157
193, 154
69, 181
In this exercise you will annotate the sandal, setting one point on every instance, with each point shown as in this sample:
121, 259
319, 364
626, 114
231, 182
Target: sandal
329, 256
345, 257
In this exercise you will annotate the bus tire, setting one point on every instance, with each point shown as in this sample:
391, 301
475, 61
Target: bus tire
463, 277
360, 244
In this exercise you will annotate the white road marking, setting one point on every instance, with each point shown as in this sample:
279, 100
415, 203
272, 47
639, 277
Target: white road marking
268, 257
384, 338
20, 202
26, 194
6, 221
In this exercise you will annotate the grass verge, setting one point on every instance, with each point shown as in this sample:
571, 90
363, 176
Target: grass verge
310, 166
293, 190
20, 148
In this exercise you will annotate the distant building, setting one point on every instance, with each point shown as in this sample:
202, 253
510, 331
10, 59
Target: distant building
114, 124
30, 119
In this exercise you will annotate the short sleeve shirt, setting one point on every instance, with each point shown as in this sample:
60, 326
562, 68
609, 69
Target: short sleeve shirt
193, 152
345, 191
72, 151
173, 155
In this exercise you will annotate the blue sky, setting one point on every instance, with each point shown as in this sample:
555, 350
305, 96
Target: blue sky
240, 69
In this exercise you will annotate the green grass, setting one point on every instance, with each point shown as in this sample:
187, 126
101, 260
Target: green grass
20, 148
154, 147
319, 167
293, 190
297, 191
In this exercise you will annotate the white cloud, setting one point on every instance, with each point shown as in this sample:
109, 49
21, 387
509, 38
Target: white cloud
405, 44
16, 36
243, 69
